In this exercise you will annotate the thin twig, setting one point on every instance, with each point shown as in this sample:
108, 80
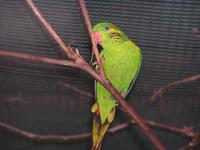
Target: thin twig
40, 59
41, 137
193, 144
53, 137
94, 47
182, 131
162, 90
74, 55
75, 89
68, 51
82, 136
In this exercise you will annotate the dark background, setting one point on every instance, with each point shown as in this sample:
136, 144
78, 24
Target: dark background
31, 99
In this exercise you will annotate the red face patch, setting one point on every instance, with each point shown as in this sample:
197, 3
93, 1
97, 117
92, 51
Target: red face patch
97, 37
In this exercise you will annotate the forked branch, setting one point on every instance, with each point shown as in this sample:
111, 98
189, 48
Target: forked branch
165, 88
82, 136
98, 76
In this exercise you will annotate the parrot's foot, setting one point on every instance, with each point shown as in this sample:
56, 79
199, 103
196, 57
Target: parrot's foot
94, 63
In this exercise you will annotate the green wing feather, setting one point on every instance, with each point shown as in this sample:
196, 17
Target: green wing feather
121, 65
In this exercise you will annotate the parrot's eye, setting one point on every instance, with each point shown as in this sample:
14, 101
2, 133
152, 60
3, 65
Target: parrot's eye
106, 28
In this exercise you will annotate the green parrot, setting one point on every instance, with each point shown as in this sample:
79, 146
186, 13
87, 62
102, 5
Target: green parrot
121, 60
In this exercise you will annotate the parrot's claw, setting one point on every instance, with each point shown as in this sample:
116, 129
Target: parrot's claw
94, 63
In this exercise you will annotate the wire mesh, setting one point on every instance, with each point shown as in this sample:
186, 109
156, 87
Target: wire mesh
32, 99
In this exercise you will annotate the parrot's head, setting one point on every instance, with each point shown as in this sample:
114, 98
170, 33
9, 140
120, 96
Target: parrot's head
107, 33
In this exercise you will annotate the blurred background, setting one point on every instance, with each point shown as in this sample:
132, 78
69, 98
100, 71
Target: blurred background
32, 99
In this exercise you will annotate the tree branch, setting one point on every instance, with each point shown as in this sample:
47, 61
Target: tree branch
68, 51
94, 47
40, 59
77, 137
74, 55
193, 144
75, 89
41, 137
165, 88
53, 137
